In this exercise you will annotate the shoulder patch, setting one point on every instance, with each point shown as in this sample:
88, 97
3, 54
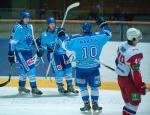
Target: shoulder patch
122, 49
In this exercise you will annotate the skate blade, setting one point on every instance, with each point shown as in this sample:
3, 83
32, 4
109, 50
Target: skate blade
36, 95
63, 94
86, 112
73, 94
96, 112
23, 94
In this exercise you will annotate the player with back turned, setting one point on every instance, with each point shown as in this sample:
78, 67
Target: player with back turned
128, 63
87, 49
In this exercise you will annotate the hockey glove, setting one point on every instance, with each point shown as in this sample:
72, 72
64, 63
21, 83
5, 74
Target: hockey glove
50, 50
142, 88
100, 21
39, 53
11, 57
61, 32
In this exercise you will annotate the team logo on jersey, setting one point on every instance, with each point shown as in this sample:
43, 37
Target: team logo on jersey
30, 62
59, 67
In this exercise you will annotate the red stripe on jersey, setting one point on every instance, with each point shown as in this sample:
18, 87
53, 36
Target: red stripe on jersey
135, 61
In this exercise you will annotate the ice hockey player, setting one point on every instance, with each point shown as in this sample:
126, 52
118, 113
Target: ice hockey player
128, 69
87, 48
20, 46
60, 63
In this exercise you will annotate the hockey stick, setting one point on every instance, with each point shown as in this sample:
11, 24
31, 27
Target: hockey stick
105, 65
36, 43
63, 22
68, 9
148, 89
10, 73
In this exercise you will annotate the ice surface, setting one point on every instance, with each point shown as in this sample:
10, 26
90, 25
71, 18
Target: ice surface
53, 104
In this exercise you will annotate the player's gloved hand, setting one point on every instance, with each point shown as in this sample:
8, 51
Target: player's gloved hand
61, 32
142, 88
39, 53
100, 21
38, 41
50, 50
11, 57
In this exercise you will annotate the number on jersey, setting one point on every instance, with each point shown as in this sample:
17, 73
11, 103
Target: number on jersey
121, 58
89, 52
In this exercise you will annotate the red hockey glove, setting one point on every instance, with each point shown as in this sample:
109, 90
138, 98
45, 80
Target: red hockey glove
142, 88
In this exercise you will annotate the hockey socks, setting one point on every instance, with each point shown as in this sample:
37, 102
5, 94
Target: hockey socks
94, 94
130, 109
84, 93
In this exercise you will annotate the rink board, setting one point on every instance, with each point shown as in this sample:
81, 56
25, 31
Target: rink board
108, 56
46, 83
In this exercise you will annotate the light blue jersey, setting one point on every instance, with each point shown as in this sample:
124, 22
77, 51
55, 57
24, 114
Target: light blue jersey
21, 38
88, 47
48, 40
21, 42
61, 65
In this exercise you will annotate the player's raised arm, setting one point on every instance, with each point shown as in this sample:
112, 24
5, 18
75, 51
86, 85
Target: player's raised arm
104, 26
65, 39
104, 34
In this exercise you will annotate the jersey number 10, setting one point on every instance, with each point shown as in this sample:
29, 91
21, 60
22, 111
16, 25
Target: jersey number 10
121, 58
89, 52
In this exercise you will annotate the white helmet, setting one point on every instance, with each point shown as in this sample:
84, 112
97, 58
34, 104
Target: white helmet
133, 33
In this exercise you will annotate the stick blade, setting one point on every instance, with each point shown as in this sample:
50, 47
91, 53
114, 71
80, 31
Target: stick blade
73, 5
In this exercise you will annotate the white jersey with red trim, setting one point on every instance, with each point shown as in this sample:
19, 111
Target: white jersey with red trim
125, 53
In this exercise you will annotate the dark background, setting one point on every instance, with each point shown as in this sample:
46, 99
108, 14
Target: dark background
111, 9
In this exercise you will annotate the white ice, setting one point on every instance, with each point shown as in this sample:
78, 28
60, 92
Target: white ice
52, 104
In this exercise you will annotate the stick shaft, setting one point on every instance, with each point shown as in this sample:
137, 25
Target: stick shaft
105, 65
36, 43
62, 25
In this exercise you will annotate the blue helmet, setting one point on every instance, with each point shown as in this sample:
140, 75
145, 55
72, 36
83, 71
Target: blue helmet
24, 14
51, 20
86, 27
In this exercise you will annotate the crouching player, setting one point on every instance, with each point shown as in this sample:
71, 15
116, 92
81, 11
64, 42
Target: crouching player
128, 68
60, 63
20, 46
87, 48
